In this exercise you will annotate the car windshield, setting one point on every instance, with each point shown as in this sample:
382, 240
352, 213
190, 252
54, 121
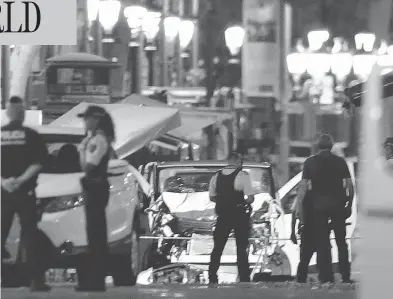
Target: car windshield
197, 179
63, 153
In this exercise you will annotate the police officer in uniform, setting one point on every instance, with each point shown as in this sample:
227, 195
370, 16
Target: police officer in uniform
231, 190
327, 178
94, 157
23, 154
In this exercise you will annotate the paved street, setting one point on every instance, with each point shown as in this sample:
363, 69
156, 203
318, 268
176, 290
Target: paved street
266, 291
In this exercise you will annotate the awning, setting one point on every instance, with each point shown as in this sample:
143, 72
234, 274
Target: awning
32, 118
192, 120
134, 126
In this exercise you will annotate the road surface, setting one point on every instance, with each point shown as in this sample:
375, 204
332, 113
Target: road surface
255, 290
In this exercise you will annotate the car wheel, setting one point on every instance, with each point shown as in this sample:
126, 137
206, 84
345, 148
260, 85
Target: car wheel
127, 267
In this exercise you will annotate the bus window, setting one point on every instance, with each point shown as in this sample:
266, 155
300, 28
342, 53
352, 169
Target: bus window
78, 81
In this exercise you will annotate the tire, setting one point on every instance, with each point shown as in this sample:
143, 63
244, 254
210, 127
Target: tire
127, 267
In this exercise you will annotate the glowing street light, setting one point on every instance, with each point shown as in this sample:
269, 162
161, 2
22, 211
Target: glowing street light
317, 38
92, 10
108, 13
151, 25
234, 38
297, 63
363, 64
171, 26
365, 41
135, 16
340, 60
186, 32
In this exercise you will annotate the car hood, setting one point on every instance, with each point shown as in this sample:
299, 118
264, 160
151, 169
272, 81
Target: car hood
51, 185
198, 205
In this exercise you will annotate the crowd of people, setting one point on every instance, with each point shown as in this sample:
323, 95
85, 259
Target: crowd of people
324, 201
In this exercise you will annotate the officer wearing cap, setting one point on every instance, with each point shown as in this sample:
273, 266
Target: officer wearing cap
327, 179
23, 154
231, 190
94, 158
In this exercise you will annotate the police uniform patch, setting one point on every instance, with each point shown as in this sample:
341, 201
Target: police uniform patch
17, 137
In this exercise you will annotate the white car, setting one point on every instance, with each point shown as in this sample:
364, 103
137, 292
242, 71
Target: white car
62, 226
182, 211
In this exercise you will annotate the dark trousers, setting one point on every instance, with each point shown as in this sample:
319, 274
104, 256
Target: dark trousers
23, 205
239, 222
307, 250
338, 219
94, 265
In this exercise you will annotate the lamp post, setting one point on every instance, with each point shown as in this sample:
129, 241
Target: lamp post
364, 59
317, 38
94, 26
135, 18
186, 32
108, 13
171, 27
234, 38
151, 27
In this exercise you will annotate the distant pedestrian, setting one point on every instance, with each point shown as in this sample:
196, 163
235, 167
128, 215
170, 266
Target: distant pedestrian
231, 190
328, 178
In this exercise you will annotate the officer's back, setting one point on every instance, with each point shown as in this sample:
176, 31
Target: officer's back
326, 172
17, 151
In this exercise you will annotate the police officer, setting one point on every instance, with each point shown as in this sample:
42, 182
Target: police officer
328, 178
23, 154
94, 157
231, 190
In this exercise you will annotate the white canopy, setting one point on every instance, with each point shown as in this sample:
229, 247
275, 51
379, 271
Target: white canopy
192, 120
135, 126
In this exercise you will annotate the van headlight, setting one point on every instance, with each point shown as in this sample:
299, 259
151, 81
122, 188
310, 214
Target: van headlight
63, 203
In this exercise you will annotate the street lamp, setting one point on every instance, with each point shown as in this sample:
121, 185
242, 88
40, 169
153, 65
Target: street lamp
186, 32
92, 10
234, 38
385, 59
365, 41
108, 13
135, 19
151, 27
317, 38
171, 27
135, 16
340, 60
364, 60
94, 29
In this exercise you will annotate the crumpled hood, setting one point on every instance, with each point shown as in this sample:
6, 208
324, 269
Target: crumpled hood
198, 205
51, 185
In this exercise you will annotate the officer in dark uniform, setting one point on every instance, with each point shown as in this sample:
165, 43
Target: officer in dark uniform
231, 190
328, 179
23, 154
94, 157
